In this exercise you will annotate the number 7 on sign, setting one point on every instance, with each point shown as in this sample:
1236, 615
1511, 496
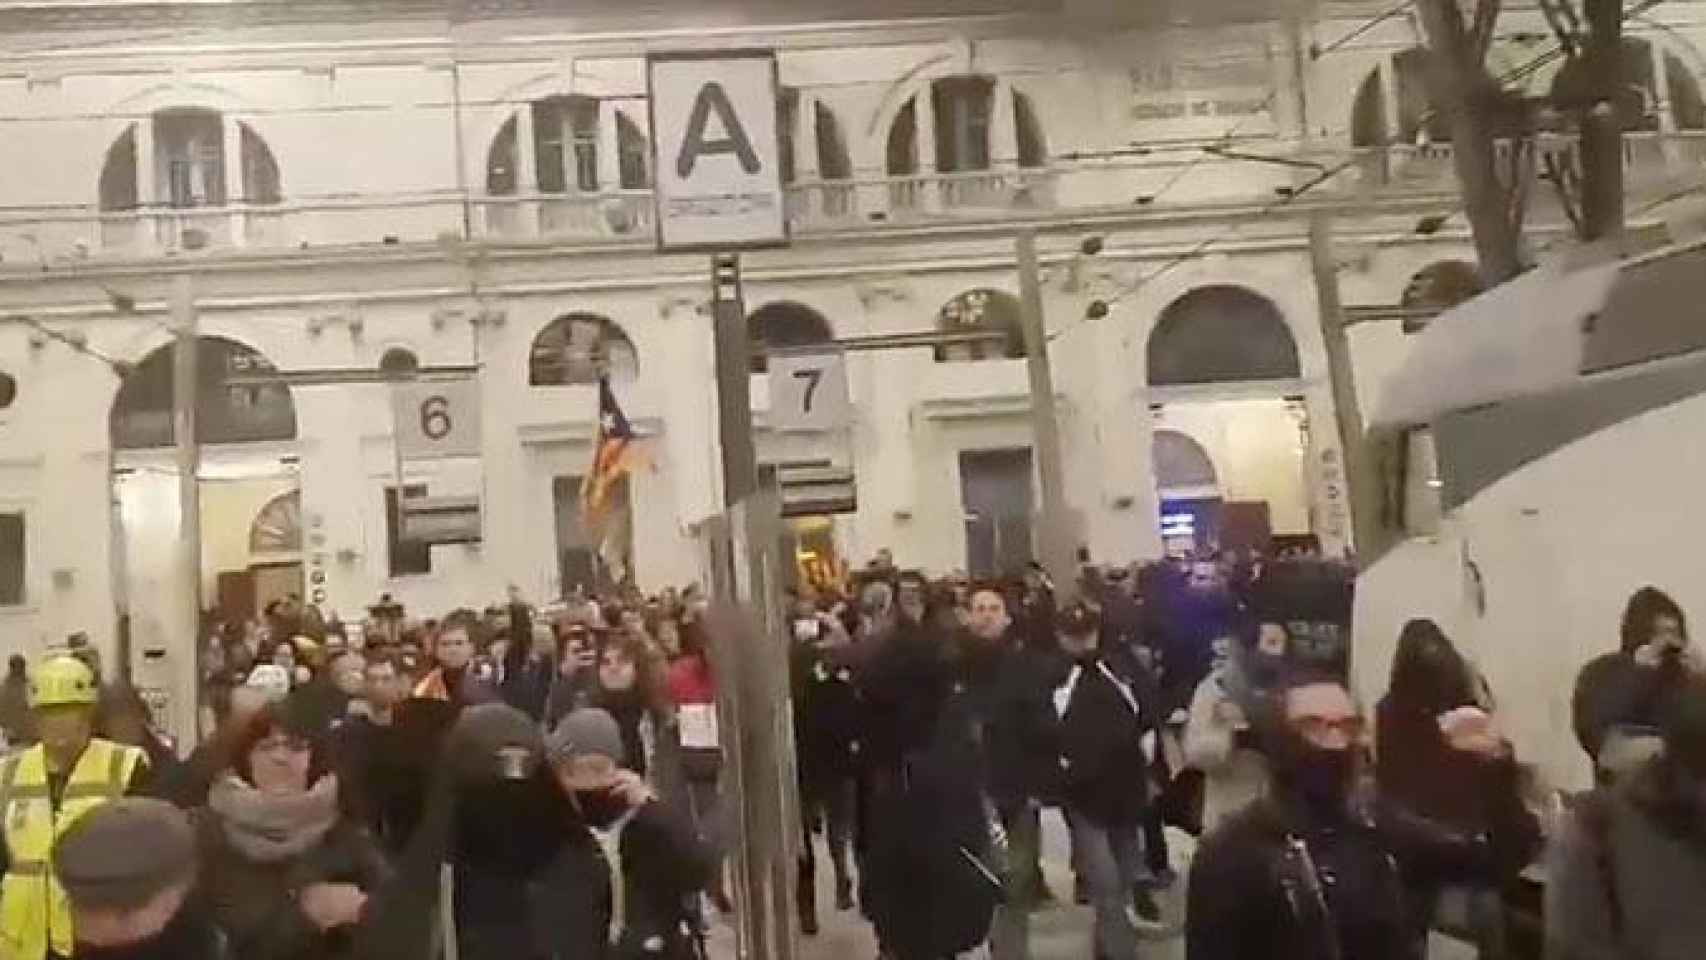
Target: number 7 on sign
812, 376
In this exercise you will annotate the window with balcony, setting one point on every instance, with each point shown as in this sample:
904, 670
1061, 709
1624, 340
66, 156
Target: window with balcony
570, 144
1642, 104
783, 325
982, 312
186, 164
962, 129
578, 348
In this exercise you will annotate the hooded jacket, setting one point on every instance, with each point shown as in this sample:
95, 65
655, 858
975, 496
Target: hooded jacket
1613, 690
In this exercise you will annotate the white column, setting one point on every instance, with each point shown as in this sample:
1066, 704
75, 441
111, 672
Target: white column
927, 191
232, 141
147, 188
526, 152
524, 218
609, 147
808, 196
1003, 128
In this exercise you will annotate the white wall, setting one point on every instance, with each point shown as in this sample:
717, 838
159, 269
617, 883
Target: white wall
1559, 557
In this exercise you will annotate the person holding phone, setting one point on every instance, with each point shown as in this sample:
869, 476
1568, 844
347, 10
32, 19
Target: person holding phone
1619, 695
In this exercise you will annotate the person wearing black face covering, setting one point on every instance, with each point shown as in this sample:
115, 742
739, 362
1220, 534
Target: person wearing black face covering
129, 870
1300, 874
1627, 873
655, 859
500, 864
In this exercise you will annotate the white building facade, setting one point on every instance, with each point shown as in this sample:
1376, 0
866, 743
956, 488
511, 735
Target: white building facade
468, 185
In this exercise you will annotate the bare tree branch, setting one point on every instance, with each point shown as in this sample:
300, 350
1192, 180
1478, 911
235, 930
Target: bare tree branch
1481, 32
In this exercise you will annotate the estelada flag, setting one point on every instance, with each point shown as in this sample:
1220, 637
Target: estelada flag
614, 456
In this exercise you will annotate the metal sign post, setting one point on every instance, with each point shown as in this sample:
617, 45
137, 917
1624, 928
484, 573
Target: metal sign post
719, 190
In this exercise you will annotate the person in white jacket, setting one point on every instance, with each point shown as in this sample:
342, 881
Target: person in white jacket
1219, 739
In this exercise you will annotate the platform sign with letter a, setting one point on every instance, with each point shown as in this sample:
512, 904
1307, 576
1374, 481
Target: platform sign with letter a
717, 152
437, 419
808, 391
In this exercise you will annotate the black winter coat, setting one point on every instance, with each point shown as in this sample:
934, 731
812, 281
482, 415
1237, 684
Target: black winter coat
826, 716
1103, 721
255, 904
1008, 690
1614, 691
1253, 896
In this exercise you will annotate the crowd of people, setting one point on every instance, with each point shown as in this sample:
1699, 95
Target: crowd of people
545, 781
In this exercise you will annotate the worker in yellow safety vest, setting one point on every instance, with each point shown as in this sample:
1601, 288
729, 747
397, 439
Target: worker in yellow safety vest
43, 791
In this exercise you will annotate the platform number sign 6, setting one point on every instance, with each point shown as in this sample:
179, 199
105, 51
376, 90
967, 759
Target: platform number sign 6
440, 419
435, 418
808, 391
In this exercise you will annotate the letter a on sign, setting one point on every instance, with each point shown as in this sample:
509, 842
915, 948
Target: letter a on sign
716, 150
711, 97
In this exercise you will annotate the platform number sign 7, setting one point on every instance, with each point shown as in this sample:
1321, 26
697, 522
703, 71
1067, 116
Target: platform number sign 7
808, 391
812, 376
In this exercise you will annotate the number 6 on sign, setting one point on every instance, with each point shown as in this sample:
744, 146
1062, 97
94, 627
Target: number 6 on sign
808, 391
435, 420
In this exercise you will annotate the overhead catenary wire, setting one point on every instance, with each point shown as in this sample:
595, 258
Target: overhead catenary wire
1329, 171
76, 344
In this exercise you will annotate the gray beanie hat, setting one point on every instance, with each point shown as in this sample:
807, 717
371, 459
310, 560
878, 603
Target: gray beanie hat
123, 854
587, 731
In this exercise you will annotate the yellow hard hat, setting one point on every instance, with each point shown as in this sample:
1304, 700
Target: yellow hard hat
62, 681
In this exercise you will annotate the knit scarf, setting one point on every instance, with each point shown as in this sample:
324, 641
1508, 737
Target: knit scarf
267, 828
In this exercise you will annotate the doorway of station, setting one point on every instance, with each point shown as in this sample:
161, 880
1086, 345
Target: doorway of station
1229, 427
996, 492
251, 544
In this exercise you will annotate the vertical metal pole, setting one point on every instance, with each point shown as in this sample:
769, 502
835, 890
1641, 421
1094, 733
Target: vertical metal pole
185, 382
734, 388
1055, 533
762, 746
1361, 460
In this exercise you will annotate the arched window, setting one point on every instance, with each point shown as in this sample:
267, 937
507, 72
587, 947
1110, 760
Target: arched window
1032, 146
1220, 334
1181, 464
784, 324
502, 171
567, 143
189, 165
1417, 118
278, 527
1368, 114
981, 311
834, 162
1438, 287
1641, 102
576, 348
399, 361
8, 390
142, 411
963, 107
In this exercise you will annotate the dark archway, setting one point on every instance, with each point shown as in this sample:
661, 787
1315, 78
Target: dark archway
982, 311
1221, 334
784, 324
141, 416
1368, 113
576, 348
1181, 462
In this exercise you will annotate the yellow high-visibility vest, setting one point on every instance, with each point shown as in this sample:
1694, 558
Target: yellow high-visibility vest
34, 914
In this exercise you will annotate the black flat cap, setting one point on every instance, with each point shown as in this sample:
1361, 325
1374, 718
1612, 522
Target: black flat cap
123, 854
